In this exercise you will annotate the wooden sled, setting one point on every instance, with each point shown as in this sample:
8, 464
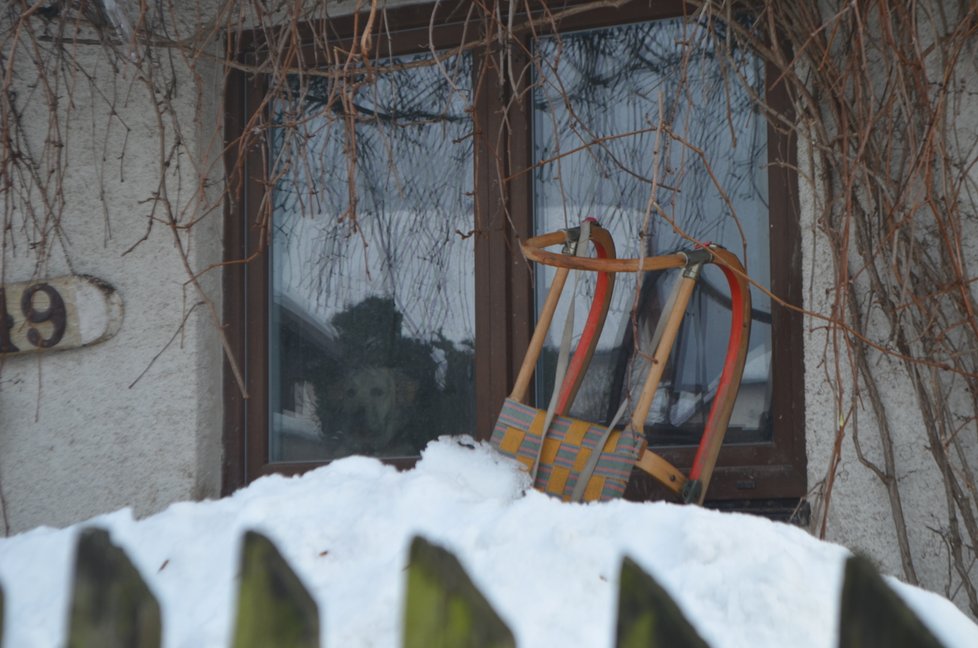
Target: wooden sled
581, 461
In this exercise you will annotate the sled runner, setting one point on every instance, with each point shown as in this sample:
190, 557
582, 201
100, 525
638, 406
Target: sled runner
581, 461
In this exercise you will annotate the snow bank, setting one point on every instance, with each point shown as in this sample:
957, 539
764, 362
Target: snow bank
550, 569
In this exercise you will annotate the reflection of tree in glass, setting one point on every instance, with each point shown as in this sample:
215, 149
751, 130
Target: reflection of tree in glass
399, 118
620, 110
595, 86
387, 394
400, 142
401, 111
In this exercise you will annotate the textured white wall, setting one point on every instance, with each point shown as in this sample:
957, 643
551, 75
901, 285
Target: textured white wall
860, 513
76, 439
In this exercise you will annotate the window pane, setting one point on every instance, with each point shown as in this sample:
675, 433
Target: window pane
599, 95
372, 320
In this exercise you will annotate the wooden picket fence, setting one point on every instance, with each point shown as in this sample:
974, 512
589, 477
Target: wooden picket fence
111, 606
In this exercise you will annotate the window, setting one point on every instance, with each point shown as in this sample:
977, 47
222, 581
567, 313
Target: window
377, 335
597, 84
371, 319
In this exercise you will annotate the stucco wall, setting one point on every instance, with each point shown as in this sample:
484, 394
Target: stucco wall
860, 513
77, 436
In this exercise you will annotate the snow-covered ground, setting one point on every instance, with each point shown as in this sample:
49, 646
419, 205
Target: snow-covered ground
550, 569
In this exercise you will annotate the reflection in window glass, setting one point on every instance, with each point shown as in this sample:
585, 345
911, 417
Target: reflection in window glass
372, 320
610, 88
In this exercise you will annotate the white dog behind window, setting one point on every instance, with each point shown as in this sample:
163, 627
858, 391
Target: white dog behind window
370, 411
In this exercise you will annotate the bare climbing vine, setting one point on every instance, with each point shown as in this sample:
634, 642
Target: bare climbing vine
878, 90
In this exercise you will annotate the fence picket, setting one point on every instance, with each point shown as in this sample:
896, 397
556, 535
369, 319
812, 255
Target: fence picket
873, 616
111, 606
647, 615
443, 608
274, 607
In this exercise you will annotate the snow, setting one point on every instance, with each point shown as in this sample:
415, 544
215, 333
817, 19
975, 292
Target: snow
550, 569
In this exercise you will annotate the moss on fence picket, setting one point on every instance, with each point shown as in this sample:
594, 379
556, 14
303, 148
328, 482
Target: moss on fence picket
112, 606
873, 615
647, 615
274, 607
443, 608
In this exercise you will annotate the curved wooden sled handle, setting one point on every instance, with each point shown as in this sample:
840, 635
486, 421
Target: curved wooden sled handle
604, 245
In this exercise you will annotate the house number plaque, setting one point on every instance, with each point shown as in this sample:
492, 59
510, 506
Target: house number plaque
59, 313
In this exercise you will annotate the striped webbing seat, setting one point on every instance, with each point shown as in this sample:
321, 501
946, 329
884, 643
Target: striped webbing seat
566, 450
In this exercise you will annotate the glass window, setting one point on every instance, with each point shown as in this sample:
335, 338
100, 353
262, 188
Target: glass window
373, 335
598, 99
371, 321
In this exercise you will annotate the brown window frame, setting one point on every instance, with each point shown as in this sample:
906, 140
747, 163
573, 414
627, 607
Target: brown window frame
503, 280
